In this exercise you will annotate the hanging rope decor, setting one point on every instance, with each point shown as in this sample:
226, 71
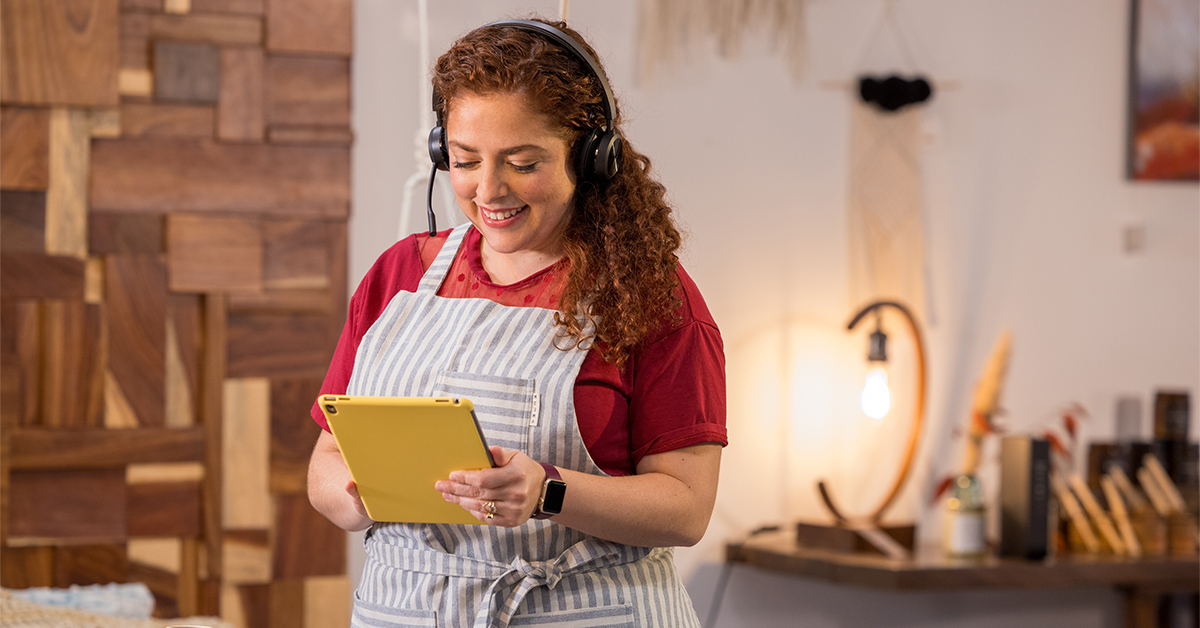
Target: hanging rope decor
885, 197
886, 223
673, 29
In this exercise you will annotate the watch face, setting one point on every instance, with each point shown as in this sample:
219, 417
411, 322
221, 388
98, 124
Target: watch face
556, 490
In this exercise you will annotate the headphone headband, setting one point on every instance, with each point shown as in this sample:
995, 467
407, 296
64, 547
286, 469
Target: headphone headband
568, 42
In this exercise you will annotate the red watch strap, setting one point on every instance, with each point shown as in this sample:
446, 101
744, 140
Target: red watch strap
551, 471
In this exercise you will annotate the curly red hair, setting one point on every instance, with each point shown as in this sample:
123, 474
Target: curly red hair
621, 241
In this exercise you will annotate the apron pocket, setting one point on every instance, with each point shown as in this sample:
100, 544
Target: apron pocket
616, 616
368, 615
503, 405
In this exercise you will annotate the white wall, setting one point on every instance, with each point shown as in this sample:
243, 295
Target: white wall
1026, 203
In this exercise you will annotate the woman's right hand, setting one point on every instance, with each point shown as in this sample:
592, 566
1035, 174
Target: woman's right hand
330, 488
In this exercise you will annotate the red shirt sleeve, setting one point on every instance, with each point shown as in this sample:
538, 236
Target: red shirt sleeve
679, 383
669, 395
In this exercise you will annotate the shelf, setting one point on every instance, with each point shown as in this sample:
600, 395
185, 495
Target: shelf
931, 571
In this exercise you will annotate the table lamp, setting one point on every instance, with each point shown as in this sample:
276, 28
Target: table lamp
876, 403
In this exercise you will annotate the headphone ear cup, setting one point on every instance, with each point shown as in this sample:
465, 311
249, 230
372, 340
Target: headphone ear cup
437, 148
600, 155
608, 155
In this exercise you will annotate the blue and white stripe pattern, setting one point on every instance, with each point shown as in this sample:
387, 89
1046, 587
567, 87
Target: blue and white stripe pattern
539, 574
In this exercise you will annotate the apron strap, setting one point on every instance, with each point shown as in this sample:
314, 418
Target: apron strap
436, 274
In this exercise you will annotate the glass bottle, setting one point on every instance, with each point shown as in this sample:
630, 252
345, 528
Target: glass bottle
965, 528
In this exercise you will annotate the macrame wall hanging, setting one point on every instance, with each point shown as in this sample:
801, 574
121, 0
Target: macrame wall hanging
673, 29
885, 198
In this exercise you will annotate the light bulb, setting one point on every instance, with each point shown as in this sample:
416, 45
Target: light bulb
876, 398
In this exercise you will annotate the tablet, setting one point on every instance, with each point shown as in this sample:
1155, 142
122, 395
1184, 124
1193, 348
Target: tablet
397, 447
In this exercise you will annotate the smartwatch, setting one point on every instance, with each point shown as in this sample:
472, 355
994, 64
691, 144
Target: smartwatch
550, 502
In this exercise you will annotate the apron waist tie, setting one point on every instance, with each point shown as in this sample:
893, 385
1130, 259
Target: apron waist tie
511, 582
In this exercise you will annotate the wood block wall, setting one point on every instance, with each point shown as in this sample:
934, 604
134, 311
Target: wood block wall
174, 190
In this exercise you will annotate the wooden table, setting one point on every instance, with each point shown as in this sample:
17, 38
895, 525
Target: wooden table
1141, 581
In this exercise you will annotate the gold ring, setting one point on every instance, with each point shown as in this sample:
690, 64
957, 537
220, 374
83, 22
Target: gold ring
490, 507
490, 515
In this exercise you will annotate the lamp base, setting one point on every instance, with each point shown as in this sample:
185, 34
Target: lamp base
851, 540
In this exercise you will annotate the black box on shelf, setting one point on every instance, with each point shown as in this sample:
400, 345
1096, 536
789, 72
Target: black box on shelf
1024, 497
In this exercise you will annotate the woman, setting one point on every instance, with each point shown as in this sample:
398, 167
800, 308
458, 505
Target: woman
562, 312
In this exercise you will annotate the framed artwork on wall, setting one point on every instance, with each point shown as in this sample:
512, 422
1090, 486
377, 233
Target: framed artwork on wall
1164, 86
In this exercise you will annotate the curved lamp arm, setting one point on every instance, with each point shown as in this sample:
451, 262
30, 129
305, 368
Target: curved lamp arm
918, 417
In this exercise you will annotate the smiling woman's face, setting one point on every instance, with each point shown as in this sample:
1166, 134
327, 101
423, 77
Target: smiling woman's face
510, 174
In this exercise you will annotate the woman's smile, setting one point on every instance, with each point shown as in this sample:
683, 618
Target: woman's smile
500, 218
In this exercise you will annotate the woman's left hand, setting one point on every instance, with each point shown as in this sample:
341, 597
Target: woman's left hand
512, 487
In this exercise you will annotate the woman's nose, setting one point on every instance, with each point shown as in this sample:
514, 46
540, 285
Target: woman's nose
492, 186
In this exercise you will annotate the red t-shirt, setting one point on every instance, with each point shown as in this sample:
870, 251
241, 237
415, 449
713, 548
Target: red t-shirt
670, 394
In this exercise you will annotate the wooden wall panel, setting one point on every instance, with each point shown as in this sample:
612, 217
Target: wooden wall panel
327, 602
298, 301
246, 438
240, 114
187, 72
105, 122
296, 254
247, 557
162, 584
136, 298
189, 228
24, 148
35, 276
112, 232
293, 433
212, 408
141, 5
339, 275
102, 448
57, 504
23, 221
256, 604
151, 175
163, 509
313, 135
209, 253
278, 345
66, 196
90, 564
59, 52
322, 26
72, 366
209, 28
27, 325
184, 340
135, 40
166, 120
287, 604
247, 7
306, 543
135, 84
12, 406
24, 567
308, 91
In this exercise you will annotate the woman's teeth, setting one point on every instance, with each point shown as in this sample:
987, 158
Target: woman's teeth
502, 215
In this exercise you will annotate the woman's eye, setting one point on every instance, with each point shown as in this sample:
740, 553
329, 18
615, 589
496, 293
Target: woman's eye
464, 164
525, 169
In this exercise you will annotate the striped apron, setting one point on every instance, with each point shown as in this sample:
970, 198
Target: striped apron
504, 359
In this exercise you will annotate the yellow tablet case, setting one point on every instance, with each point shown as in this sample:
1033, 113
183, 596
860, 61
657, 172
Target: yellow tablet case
397, 447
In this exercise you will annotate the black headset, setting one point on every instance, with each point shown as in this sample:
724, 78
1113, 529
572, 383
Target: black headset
599, 150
